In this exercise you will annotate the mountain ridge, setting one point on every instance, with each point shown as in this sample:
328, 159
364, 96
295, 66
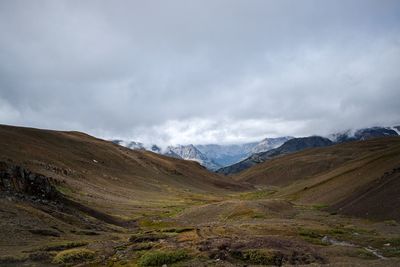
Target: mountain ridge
290, 146
341, 137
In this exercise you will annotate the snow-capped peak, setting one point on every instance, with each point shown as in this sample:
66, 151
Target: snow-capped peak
270, 143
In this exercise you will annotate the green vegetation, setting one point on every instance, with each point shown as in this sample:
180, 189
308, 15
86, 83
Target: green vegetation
354, 235
172, 211
158, 258
259, 256
391, 252
73, 256
391, 247
312, 236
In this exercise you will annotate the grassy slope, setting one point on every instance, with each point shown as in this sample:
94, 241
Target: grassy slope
101, 172
329, 175
128, 185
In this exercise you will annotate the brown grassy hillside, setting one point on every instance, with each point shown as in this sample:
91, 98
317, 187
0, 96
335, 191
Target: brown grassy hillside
331, 175
95, 182
91, 166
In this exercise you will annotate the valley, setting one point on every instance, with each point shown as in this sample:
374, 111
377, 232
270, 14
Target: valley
71, 199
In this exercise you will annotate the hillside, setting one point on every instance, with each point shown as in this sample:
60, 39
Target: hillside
337, 176
91, 178
290, 146
86, 163
68, 199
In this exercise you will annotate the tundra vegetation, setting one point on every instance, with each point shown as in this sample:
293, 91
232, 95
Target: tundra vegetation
59, 207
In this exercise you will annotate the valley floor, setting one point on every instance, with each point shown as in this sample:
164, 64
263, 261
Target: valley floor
240, 229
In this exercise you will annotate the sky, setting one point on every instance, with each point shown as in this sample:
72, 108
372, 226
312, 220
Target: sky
209, 71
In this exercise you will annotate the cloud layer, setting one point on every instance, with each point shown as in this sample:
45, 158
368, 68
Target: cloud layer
200, 72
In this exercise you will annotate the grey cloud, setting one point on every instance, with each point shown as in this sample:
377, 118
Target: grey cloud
204, 71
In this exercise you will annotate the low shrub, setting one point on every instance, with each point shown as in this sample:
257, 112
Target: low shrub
158, 258
63, 246
73, 256
312, 236
259, 256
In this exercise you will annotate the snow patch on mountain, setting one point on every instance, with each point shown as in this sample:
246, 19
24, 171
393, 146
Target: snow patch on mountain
396, 129
363, 134
270, 143
190, 152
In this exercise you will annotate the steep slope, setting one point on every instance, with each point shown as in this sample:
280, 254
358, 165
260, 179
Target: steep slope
347, 177
293, 145
376, 199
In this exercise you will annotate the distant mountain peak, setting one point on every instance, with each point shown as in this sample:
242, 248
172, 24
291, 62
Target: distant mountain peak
290, 146
364, 134
270, 143
190, 152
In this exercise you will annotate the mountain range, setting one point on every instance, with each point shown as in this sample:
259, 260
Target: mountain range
229, 159
211, 156
293, 145
299, 144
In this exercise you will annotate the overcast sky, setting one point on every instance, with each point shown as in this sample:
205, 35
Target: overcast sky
207, 71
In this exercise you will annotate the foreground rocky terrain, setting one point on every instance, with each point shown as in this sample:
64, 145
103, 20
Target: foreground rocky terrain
67, 198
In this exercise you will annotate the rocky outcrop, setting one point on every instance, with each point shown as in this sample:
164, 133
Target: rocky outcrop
18, 180
22, 183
